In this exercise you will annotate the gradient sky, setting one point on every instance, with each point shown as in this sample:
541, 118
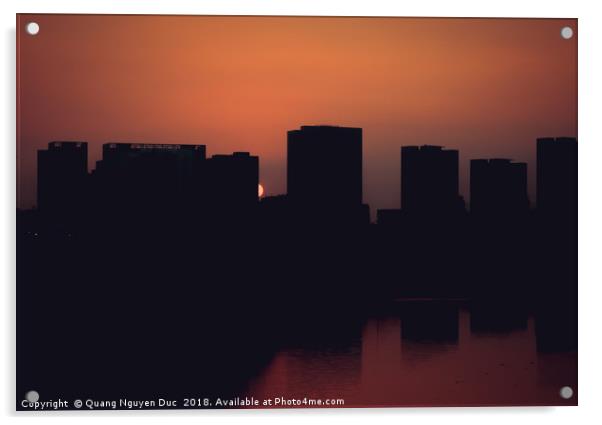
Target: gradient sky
487, 87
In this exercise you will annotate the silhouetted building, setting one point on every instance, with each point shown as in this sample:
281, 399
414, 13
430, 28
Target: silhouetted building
557, 261
62, 174
233, 181
149, 178
429, 181
324, 173
498, 187
324, 164
557, 176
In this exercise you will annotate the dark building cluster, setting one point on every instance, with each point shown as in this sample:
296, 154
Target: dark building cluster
498, 187
162, 256
177, 192
324, 181
145, 180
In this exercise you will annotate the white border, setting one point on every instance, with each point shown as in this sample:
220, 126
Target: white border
590, 214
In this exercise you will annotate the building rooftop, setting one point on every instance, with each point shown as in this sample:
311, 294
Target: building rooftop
149, 146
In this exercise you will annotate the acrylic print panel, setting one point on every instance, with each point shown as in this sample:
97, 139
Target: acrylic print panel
274, 212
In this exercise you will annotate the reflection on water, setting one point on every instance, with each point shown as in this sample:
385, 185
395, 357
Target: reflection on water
424, 354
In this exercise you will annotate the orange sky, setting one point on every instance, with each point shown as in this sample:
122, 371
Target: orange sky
487, 87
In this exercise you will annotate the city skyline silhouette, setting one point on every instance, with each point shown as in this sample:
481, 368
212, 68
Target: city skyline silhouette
175, 222
530, 177
445, 82
415, 243
497, 185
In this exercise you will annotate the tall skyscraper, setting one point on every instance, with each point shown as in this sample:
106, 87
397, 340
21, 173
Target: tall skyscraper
557, 257
429, 180
62, 173
324, 165
498, 187
324, 173
557, 176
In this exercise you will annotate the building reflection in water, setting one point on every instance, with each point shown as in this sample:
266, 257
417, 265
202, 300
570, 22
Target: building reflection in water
397, 362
